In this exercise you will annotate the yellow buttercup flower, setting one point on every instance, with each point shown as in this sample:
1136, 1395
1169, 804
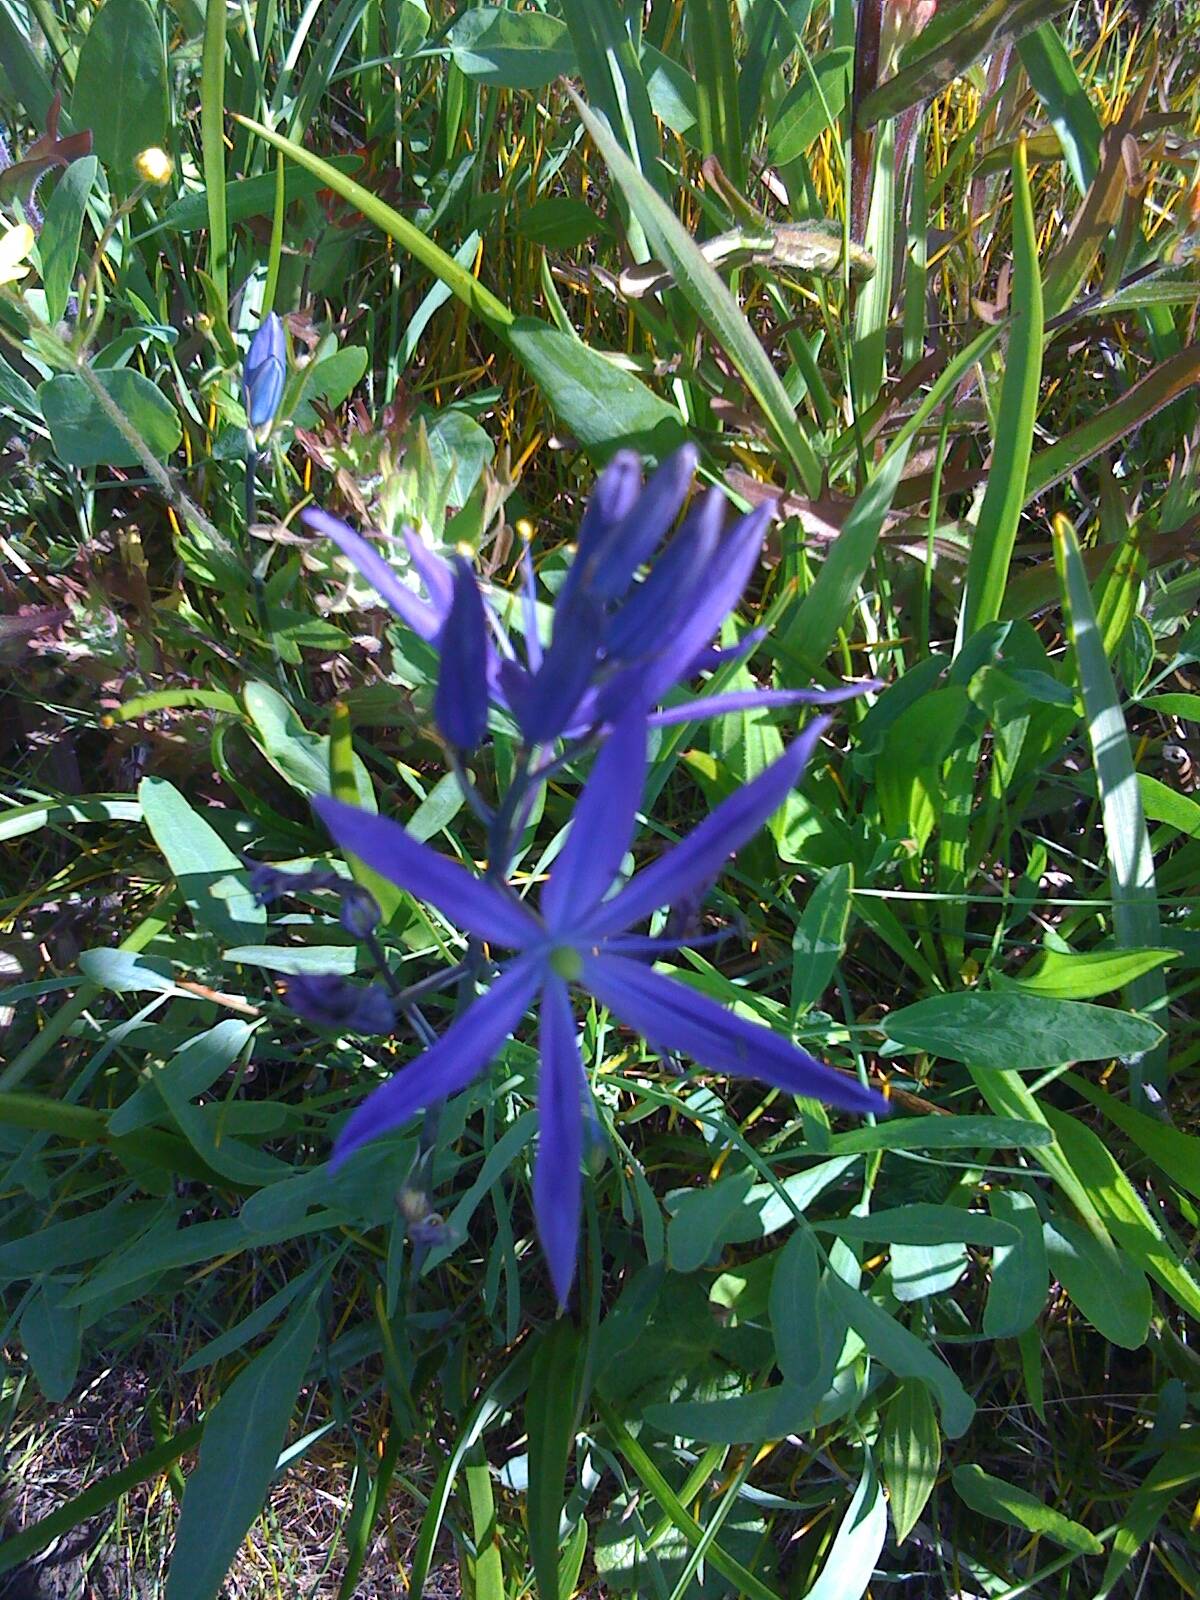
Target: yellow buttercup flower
15, 245
154, 166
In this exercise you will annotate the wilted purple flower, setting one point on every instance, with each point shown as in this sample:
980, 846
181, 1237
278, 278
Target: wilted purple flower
359, 912
264, 373
579, 938
329, 1001
618, 642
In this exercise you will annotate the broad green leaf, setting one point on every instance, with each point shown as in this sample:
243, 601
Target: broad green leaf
1005, 1502
1017, 1290
127, 971
702, 1219
804, 115
211, 879
85, 435
1108, 1288
1070, 975
901, 1352
850, 1562
20, 820
910, 1453
58, 242
301, 757
921, 1270
1176, 1153
1135, 1231
52, 1335
943, 1133
551, 1406
243, 1437
1161, 803
511, 49
919, 1223
121, 87
82, 1238
1003, 1029
800, 1338
820, 936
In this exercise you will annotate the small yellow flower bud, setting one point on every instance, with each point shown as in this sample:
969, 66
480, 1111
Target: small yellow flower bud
154, 166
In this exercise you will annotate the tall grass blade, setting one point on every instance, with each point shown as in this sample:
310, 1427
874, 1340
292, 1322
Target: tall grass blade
212, 142
1136, 922
999, 516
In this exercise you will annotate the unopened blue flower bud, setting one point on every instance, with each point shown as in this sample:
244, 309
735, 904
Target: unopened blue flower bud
329, 1001
265, 372
360, 914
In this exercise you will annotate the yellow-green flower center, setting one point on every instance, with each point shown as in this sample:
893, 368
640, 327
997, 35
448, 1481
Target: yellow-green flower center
566, 963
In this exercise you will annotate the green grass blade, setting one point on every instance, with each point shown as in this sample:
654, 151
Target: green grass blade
872, 314
1072, 115
709, 296
804, 639
999, 516
714, 66
1135, 913
212, 142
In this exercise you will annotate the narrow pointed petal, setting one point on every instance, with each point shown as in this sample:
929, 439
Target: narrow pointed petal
529, 612
714, 656
674, 1018
437, 575
459, 1056
556, 1181
718, 705
613, 496
601, 828
460, 705
422, 618
641, 625
700, 856
728, 574
555, 692
477, 906
632, 542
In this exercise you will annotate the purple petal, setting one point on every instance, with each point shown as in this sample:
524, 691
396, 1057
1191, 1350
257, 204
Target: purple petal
700, 856
714, 656
613, 496
556, 690
728, 574
533, 641
477, 906
718, 705
632, 542
460, 704
423, 619
556, 1183
460, 1055
435, 573
639, 627
328, 1000
674, 1018
601, 829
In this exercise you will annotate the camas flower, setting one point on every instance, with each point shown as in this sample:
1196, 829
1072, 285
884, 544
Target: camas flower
578, 938
619, 642
328, 1000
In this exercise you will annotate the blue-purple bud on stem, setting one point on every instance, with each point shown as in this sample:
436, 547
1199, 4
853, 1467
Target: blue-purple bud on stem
264, 373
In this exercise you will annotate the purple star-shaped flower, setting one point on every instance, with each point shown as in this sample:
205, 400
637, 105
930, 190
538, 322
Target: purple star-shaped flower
582, 939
